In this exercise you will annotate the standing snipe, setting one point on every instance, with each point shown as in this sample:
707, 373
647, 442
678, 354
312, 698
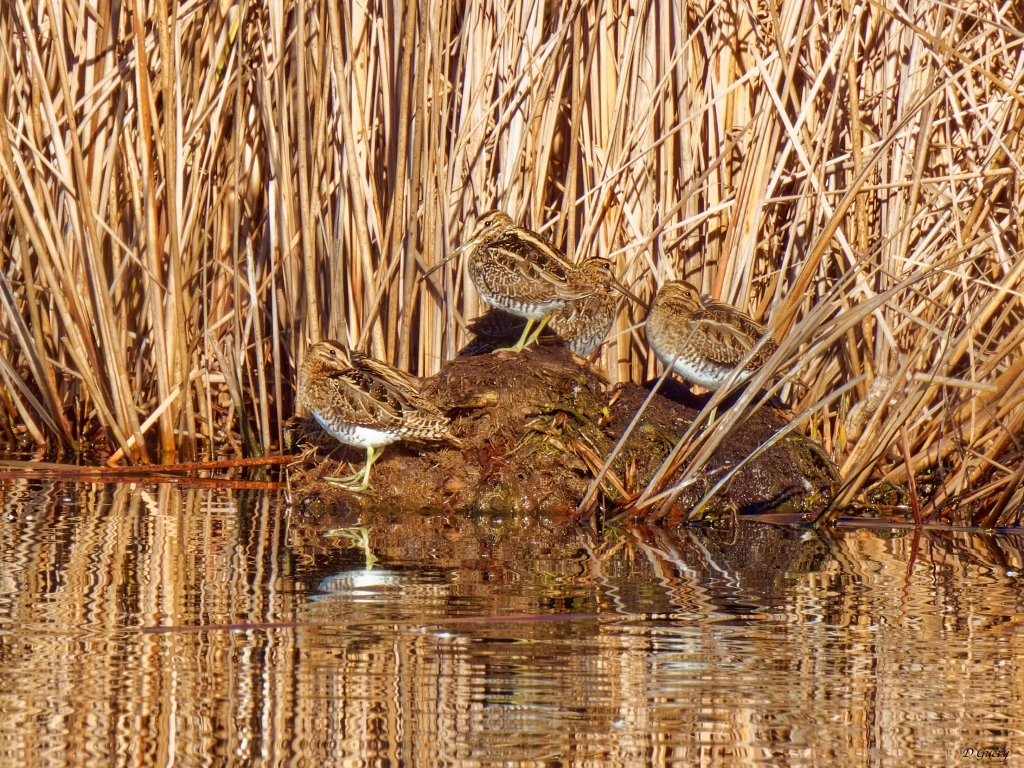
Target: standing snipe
366, 403
706, 338
522, 273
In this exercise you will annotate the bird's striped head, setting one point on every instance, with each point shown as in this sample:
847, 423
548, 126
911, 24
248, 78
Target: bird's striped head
325, 357
489, 227
597, 270
681, 295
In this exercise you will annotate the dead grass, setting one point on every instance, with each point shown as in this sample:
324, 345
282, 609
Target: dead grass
191, 193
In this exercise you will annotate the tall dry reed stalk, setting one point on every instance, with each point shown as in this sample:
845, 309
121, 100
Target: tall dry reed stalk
191, 193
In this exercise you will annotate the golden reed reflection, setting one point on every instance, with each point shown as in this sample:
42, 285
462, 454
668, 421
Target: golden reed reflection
150, 625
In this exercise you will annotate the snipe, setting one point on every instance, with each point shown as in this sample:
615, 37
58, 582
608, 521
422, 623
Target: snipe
522, 273
585, 323
705, 338
366, 403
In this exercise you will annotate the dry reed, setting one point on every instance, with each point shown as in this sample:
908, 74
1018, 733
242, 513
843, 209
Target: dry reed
191, 193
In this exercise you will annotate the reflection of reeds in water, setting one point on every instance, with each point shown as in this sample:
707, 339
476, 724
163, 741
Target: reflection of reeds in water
708, 640
176, 238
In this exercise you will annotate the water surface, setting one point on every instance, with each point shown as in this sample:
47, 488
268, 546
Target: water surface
155, 625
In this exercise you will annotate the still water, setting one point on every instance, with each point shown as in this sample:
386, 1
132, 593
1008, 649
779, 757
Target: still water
155, 625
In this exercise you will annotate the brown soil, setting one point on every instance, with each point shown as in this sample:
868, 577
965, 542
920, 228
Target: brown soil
536, 428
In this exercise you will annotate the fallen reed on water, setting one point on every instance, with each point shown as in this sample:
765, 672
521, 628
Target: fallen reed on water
192, 193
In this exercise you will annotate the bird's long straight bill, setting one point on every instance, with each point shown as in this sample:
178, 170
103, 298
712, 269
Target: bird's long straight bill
628, 293
444, 261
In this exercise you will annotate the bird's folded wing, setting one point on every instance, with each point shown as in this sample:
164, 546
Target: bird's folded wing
365, 405
723, 342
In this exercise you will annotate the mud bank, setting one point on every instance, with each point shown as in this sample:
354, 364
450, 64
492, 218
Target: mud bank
536, 429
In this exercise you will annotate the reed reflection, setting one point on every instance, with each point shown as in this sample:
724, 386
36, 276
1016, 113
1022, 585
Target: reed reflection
152, 624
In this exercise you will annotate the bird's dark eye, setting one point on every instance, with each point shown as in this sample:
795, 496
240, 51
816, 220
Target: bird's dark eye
687, 294
334, 353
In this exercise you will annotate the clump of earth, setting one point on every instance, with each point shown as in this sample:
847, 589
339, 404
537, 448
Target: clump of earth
536, 428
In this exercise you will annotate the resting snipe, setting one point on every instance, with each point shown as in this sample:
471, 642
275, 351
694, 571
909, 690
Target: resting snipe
366, 403
584, 324
522, 273
705, 338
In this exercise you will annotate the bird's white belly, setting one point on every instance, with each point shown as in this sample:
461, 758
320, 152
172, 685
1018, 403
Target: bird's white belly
704, 373
528, 311
361, 437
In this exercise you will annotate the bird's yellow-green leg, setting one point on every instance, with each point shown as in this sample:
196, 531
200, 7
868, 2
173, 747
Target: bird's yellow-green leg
374, 455
518, 347
536, 334
362, 476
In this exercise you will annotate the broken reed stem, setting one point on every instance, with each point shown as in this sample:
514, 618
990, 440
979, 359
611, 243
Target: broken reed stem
792, 159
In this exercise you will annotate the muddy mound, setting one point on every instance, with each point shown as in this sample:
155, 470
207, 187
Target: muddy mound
536, 428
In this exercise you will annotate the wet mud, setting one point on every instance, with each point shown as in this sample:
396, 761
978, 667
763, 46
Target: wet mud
536, 429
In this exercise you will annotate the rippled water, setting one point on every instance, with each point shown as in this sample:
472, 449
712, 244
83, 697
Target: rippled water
150, 625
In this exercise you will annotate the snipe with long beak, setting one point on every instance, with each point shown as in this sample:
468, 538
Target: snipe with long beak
702, 339
522, 273
366, 403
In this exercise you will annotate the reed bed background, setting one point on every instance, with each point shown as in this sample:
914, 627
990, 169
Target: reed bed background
191, 193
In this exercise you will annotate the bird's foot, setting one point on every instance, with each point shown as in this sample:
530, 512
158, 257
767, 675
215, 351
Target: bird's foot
524, 339
357, 482
516, 349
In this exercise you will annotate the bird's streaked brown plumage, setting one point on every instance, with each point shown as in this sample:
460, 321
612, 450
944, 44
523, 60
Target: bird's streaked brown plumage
366, 403
584, 325
705, 338
522, 273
